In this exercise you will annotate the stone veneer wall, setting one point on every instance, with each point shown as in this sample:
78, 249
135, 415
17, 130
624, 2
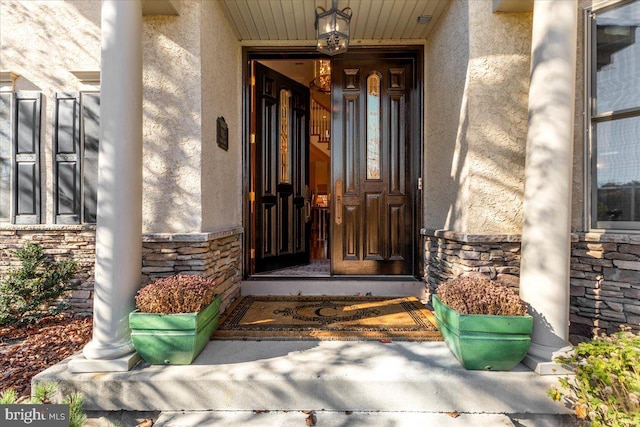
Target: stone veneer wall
214, 255
217, 256
605, 272
449, 254
59, 242
605, 282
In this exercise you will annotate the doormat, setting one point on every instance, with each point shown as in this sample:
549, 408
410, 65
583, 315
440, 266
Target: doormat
319, 318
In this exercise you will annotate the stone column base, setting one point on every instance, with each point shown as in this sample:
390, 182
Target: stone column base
542, 360
79, 364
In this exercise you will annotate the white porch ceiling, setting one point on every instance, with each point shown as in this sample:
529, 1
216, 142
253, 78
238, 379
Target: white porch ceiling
293, 20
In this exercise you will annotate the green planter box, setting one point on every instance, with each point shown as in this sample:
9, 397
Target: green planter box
483, 342
176, 339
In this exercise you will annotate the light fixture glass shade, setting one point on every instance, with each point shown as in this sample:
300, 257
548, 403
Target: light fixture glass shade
333, 29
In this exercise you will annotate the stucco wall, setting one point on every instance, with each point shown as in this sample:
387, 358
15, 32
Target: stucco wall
221, 97
172, 121
446, 61
43, 41
477, 123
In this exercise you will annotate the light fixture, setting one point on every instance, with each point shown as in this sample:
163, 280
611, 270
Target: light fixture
332, 29
322, 75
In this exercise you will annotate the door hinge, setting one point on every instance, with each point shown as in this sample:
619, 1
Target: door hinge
252, 138
252, 253
252, 81
419, 183
252, 196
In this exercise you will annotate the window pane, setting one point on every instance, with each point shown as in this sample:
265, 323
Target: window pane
285, 163
618, 58
373, 127
618, 170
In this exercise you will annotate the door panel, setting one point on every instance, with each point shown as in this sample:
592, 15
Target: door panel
280, 171
371, 143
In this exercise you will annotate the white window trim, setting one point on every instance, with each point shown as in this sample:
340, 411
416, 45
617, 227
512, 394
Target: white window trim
589, 81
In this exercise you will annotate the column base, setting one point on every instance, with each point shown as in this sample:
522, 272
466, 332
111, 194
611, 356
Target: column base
80, 364
541, 360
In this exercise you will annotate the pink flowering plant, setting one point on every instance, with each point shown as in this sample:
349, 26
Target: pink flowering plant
606, 388
479, 295
176, 294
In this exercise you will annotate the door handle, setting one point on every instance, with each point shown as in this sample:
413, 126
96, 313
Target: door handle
338, 193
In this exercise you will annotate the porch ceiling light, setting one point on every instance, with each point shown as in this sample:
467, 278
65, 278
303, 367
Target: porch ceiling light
332, 29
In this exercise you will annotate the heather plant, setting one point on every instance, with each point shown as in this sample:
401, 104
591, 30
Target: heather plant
606, 388
478, 295
176, 294
32, 291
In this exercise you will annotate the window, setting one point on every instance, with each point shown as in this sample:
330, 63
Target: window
373, 126
285, 154
615, 116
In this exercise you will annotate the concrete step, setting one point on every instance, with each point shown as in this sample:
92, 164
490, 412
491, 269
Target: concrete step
326, 418
335, 376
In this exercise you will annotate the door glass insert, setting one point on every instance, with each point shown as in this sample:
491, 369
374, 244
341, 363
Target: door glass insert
285, 163
373, 126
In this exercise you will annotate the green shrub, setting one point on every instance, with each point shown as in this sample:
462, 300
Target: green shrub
43, 394
32, 291
606, 388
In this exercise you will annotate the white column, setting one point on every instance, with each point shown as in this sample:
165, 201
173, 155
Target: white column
546, 232
119, 211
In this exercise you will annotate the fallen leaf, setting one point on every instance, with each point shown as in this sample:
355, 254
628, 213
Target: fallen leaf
453, 414
385, 341
145, 423
311, 420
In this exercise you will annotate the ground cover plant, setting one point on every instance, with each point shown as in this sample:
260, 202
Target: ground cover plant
606, 388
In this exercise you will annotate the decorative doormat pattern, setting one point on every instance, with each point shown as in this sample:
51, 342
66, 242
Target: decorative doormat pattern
349, 318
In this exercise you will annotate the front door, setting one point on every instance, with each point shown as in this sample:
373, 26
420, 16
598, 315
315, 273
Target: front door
373, 185
279, 172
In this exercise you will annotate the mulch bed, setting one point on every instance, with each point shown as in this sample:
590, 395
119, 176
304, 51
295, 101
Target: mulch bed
26, 350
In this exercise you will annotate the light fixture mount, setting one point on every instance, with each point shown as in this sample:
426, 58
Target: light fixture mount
332, 29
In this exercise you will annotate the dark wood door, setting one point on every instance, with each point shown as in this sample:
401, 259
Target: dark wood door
280, 174
373, 190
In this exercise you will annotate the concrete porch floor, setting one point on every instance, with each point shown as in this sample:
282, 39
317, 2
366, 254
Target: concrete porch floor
270, 383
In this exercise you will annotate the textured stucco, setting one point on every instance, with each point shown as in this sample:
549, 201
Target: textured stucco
172, 121
476, 123
43, 41
221, 96
446, 62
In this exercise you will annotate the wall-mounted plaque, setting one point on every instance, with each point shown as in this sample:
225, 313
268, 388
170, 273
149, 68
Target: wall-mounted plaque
222, 134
